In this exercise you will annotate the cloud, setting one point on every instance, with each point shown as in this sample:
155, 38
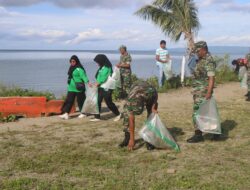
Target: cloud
76, 3
232, 40
5, 13
89, 35
237, 7
121, 35
41, 35
211, 2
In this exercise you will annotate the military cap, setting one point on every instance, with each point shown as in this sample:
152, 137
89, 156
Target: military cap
123, 47
199, 45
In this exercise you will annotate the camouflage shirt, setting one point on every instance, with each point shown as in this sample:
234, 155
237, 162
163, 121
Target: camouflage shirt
205, 68
142, 94
125, 58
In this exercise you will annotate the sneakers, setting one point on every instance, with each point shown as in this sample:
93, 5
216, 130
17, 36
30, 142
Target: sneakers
82, 116
64, 116
95, 120
117, 118
195, 139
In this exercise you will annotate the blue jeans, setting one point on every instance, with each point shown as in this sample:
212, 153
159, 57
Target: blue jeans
161, 77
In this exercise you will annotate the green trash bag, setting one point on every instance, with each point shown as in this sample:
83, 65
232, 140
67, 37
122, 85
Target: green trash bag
207, 117
155, 133
90, 105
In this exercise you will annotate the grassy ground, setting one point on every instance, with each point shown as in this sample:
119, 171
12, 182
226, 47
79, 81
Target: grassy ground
47, 153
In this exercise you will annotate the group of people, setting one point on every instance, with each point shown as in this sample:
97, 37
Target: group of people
140, 94
78, 80
243, 64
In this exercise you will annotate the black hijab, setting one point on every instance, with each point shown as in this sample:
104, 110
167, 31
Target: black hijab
102, 60
77, 65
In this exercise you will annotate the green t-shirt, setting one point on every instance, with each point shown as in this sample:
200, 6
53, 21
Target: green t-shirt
78, 75
103, 74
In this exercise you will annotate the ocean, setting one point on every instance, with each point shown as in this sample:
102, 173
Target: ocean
46, 70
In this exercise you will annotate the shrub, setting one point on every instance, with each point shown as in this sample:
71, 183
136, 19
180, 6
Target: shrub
6, 91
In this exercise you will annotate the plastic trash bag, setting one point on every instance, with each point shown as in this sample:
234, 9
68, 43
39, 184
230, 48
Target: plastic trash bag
109, 84
243, 77
117, 77
167, 69
207, 117
90, 105
155, 133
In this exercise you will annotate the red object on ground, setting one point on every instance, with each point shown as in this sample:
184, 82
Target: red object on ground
30, 106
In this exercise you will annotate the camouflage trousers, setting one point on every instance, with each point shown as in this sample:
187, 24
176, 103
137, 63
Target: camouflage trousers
248, 79
198, 98
135, 107
125, 82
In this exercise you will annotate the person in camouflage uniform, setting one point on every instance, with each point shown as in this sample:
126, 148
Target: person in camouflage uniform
141, 94
125, 71
202, 84
248, 77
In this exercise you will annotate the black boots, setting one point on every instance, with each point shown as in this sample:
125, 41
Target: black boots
126, 140
196, 138
248, 96
150, 146
216, 137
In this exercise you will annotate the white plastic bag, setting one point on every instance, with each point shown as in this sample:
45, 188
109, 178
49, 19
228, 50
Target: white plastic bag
90, 105
109, 84
155, 133
243, 77
207, 117
167, 69
117, 77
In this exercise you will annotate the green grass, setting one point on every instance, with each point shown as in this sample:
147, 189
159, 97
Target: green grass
77, 155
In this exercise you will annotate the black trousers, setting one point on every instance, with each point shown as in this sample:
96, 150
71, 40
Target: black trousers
70, 99
107, 96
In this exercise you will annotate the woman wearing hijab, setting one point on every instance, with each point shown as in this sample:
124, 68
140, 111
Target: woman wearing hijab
102, 74
77, 79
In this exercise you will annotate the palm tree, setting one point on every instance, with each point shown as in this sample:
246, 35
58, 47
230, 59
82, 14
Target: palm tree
174, 17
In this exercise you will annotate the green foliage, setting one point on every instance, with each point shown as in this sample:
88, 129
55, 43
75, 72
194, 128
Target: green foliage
9, 118
224, 73
6, 91
174, 17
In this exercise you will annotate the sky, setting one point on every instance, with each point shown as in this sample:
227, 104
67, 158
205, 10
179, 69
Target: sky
106, 24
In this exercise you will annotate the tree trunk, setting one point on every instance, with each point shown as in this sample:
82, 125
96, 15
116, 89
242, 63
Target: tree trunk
190, 42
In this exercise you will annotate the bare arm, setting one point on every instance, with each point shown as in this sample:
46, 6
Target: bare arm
131, 131
124, 65
159, 60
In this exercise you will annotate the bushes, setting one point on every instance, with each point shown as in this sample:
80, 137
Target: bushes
17, 91
9, 118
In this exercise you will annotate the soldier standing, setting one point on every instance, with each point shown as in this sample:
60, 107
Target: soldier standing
125, 70
202, 84
248, 77
140, 95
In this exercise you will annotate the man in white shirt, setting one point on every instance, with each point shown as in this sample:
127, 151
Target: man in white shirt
163, 62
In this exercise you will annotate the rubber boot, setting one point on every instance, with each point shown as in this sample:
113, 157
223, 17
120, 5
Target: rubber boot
126, 140
216, 137
196, 138
150, 146
248, 96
